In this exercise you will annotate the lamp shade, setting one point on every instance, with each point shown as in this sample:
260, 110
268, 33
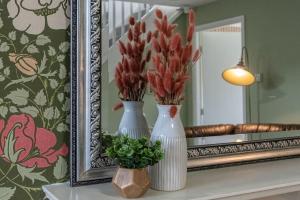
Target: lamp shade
238, 75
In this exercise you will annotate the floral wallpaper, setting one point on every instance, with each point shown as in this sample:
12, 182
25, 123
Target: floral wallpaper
34, 96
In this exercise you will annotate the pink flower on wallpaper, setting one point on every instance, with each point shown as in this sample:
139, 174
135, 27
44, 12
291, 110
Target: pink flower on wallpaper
32, 146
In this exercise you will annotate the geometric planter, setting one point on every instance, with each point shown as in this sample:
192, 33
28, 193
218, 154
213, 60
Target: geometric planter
131, 183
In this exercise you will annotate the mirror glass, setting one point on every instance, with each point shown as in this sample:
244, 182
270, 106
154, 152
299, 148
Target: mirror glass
270, 32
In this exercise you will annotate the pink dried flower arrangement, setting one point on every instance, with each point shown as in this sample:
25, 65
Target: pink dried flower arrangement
130, 74
171, 60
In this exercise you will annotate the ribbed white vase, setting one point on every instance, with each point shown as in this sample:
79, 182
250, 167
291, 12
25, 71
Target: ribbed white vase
133, 122
170, 173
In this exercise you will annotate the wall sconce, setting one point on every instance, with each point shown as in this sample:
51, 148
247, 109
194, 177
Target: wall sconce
240, 74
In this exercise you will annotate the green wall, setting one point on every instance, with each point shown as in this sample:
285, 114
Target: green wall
272, 31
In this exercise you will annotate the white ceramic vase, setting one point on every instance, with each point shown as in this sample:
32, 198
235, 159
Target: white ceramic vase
170, 173
133, 122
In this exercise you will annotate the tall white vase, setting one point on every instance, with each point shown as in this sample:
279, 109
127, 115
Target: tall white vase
133, 122
171, 172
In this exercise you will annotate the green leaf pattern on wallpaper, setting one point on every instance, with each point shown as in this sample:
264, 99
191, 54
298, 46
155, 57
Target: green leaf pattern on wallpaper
34, 98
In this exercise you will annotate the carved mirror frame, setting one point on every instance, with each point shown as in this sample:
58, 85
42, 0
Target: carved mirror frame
88, 164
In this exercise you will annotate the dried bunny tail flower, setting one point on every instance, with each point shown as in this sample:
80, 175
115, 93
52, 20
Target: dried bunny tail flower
130, 34
163, 43
143, 27
158, 13
196, 56
137, 28
170, 30
148, 56
142, 46
175, 41
122, 48
159, 87
190, 32
126, 65
131, 20
179, 86
129, 49
156, 45
151, 79
168, 81
155, 34
174, 64
164, 25
173, 111
149, 36
186, 54
120, 67
156, 61
158, 25
191, 16
133, 66
161, 70
118, 106
143, 65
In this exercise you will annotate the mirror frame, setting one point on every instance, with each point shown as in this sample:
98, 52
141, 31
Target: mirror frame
87, 164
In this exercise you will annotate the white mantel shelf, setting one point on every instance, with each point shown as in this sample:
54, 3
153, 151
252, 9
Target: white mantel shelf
232, 183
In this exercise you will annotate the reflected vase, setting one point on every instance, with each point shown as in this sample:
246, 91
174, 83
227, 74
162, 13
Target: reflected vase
133, 122
170, 173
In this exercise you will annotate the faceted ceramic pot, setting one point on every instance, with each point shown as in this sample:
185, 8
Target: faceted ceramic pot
133, 122
131, 183
170, 173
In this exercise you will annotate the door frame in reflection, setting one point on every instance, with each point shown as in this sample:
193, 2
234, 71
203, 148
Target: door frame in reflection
197, 71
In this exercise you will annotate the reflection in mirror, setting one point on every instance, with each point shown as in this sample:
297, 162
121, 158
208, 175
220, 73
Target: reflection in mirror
209, 100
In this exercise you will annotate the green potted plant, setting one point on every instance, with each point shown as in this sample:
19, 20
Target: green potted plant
133, 157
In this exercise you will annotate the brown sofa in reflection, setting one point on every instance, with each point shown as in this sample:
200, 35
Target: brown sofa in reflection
229, 129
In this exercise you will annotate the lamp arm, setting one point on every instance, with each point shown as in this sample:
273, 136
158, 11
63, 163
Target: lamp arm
244, 56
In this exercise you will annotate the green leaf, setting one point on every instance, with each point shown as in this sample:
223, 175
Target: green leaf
67, 88
42, 40
50, 74
21, 80
13, 109
31, 110
1, 101
3, 111
18, 97
9, 146
60, 58
6, 71
64, 47
43, 64
4, 47
24, 39
66, 106
60, 169
53, 83
32, 49
49, 113
2, 78
56, 113
51, 51
1, 22
61, 127
6, 192
40, 99
62, 72
30, 174
60, 96
12, 35
68, 119
1, 63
